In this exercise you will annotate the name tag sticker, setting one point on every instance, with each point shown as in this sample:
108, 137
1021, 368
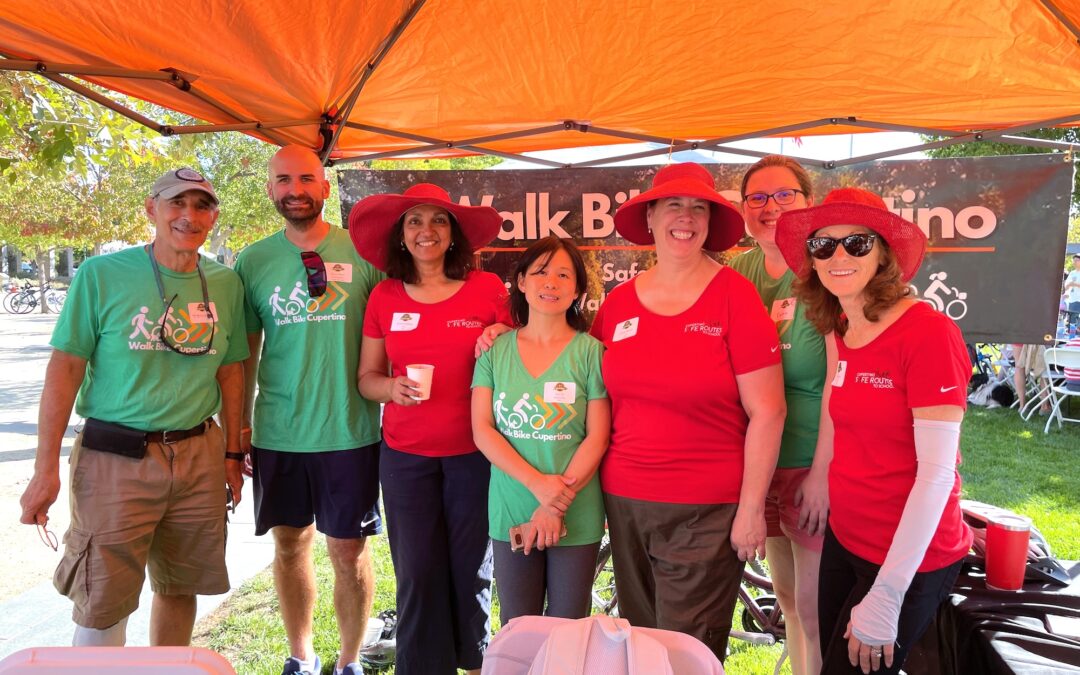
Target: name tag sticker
404, 321
198, 314
625, 329
841, 371
340, 272
560, 392
783, 310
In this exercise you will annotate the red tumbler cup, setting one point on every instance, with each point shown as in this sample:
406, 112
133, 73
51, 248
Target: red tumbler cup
1006, 552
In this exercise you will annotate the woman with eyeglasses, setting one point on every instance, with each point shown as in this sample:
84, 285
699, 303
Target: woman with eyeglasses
542, 416
431, 311
797, 504
692, 368
896, 395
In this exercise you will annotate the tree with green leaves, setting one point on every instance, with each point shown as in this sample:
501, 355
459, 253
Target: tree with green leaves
986, 148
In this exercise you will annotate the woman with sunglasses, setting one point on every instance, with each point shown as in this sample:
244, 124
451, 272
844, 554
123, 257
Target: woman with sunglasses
693, 371
541, 414
896, 395
431, 311
797, 504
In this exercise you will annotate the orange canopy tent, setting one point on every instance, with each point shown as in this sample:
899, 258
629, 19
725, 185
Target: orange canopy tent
376, 78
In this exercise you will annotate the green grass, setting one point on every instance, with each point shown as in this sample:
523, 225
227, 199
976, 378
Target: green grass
1007, 462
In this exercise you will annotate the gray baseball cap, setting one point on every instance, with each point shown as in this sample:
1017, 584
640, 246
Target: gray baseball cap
179, 181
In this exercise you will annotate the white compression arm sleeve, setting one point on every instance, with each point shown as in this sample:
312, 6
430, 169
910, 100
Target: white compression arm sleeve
874, 620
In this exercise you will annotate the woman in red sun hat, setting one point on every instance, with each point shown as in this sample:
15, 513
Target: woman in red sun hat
896, 394
434, 481
692, 368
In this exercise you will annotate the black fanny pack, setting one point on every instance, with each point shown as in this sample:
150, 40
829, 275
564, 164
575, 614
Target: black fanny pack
115, 439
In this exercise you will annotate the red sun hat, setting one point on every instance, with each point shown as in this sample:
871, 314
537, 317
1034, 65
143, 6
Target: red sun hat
682, 180
373, 218
849, 206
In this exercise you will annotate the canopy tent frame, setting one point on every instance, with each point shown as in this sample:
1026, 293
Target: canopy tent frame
57, 72
336, 117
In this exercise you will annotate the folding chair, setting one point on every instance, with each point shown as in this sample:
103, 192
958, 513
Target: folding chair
1061, 357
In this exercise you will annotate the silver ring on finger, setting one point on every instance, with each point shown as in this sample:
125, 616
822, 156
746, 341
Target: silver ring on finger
875, 652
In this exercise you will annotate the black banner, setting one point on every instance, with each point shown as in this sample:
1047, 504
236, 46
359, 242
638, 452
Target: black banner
997, 226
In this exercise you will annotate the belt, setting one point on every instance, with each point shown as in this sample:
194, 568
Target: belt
168, 437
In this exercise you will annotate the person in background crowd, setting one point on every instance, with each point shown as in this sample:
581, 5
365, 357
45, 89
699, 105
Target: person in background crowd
1071, 294
542, 416
693, 371
897, 392
431, 311
797, 506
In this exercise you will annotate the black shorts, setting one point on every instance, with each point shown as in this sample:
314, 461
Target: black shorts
337, 490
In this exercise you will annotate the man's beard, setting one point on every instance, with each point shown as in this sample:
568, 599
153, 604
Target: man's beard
300, 218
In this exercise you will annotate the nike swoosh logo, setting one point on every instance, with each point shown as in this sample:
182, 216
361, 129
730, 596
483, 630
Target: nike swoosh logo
945, 389
773, 350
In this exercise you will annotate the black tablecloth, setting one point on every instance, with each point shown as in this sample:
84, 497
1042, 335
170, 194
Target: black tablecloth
979, 630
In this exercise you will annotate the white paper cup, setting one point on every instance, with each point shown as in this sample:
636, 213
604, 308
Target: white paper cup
421, 374
373, 632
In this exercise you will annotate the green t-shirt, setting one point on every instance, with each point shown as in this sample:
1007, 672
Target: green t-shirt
113, 318
308, 400
803, 352
543, 418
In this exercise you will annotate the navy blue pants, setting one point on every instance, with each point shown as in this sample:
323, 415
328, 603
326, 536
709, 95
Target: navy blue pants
844, 579
436, 520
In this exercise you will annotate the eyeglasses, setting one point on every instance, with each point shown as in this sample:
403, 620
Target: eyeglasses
856, 245
164, 329
785, 197
316, 273
48, 538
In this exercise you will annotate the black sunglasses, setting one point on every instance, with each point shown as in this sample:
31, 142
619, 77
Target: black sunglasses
316, 273
856, 245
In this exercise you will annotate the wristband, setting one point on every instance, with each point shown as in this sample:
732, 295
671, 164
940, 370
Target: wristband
237, 456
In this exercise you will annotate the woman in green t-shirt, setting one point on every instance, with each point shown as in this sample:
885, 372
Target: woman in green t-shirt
797, 503
541, 414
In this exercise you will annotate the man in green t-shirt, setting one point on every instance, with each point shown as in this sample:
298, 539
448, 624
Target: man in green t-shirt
152, 340
314, 441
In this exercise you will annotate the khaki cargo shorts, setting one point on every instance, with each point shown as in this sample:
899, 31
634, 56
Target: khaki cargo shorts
166, 510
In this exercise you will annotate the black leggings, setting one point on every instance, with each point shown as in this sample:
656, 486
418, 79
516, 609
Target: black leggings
845, 579
563, 573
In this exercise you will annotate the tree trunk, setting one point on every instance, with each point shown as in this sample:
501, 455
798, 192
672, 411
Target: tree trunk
42, 257
69, 258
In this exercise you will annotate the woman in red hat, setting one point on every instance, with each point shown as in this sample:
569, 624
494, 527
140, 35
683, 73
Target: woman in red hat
431, 311
692, 368
896, 395
797, 505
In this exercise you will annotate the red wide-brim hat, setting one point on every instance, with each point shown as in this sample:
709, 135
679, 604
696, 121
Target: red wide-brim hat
849, 206
688, 179
373, 218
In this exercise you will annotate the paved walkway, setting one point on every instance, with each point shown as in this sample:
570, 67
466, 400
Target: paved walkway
32, 613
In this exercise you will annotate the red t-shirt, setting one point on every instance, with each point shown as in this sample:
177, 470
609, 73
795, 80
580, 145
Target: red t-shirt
443, 334
918, 361
678, 425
